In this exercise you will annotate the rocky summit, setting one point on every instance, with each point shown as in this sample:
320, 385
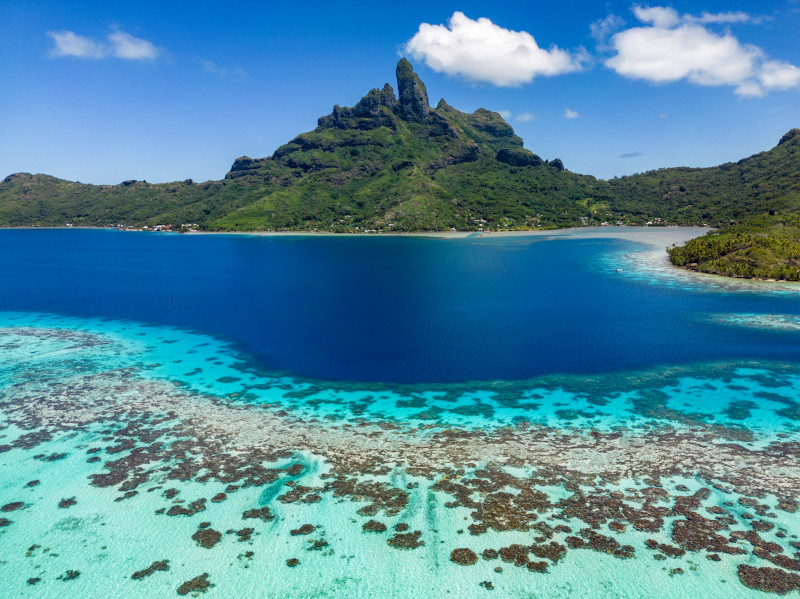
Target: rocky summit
392, 162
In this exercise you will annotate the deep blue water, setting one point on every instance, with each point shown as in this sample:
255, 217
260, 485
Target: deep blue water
386, 308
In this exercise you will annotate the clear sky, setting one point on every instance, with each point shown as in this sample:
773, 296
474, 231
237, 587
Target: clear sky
105, 91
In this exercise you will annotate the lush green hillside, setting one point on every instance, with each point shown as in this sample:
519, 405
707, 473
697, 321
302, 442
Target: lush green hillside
41, 200
718, 195
760, 247
394, 163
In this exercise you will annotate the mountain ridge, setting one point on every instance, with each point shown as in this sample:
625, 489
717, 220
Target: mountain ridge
393, 162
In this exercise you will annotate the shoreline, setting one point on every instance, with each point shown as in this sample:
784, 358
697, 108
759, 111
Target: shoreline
655, 236
648, 235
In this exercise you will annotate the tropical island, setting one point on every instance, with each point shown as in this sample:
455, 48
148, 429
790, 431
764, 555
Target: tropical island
394, 163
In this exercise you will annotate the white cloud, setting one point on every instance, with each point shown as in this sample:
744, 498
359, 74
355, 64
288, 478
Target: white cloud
506, 114
118, 44
572, 114
603, 29
724, 17
482, 51
525, 117
674, 47
657, 16
779, 75
124, 45
68, 43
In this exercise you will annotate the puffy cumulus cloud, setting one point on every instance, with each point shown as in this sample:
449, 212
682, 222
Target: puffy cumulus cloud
572, 114
775, 74
118, 44
482, 51
525, 117
673, 47
657, 16
506, 114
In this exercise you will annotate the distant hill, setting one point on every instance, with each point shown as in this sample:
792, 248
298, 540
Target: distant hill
394, 163
768, 181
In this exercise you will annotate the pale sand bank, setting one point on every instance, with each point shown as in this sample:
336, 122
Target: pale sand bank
657, 236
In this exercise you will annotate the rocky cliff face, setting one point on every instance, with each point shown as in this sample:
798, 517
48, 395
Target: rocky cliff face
377, 108
413, 95
372, 111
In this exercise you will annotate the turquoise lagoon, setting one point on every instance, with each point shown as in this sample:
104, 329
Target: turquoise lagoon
537, 416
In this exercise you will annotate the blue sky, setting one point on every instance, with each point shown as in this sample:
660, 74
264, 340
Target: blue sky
103, 91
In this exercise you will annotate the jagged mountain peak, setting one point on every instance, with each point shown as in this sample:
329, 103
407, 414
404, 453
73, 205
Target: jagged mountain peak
412, 92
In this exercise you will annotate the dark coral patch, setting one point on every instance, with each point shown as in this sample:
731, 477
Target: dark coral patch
152, 568
668, 550
65, 503
207, 537
198, 584
261, 513
771, 580
374, 526
305, 529
464, 556
194, 507
537, 566
11, 507
295, 469
409, 540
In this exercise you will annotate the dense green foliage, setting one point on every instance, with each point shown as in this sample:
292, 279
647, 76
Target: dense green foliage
760, 247
718, 195
430, 174
41, 200
396, 164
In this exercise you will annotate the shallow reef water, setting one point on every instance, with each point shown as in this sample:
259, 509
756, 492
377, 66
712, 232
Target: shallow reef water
153, 460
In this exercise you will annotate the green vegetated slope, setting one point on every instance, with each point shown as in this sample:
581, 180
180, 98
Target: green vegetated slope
760, 247
717, 195
41, 200
394, 163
